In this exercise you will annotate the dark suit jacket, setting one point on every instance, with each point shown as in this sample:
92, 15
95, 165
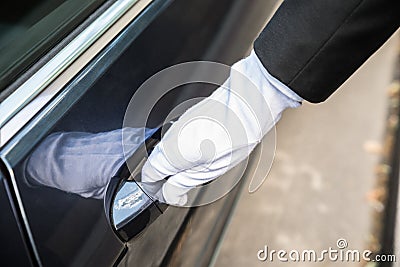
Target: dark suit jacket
313, 46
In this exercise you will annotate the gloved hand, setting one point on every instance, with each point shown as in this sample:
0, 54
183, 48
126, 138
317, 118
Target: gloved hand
218, 133
82, 163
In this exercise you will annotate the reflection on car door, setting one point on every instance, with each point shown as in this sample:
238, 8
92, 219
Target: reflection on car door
14, 251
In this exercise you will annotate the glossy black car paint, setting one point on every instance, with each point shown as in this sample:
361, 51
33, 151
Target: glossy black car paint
70, 230
14, 248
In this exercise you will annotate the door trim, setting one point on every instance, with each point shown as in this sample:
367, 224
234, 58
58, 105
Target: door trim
21, 106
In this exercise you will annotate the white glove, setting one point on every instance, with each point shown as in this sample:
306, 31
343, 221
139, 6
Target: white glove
218, 133
82, 163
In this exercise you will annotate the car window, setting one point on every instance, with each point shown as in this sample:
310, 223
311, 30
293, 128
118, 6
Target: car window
28, 29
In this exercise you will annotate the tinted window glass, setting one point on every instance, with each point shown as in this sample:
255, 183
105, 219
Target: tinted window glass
29, 28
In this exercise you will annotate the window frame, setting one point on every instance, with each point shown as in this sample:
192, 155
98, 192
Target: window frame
49, 80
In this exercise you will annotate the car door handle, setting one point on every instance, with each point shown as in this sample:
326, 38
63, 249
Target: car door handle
129, 209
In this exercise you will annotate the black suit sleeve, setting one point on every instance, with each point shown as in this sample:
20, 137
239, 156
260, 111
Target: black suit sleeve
313, 46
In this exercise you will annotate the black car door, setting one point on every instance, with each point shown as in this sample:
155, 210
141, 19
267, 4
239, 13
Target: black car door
72, 229
15, 249
66, 228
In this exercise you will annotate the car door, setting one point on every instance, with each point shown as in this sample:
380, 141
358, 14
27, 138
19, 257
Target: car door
14, 250
67, 229
83, 86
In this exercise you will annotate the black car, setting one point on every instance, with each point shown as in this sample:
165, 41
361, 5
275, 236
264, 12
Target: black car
73, 66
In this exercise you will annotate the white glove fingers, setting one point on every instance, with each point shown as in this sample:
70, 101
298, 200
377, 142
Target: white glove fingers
157, 167
175, 193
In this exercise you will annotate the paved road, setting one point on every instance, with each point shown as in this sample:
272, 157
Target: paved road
317, 189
